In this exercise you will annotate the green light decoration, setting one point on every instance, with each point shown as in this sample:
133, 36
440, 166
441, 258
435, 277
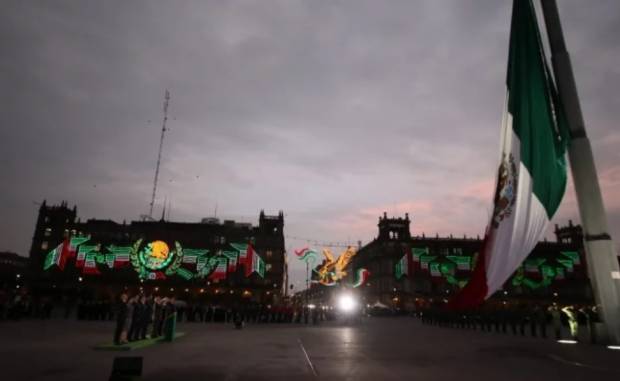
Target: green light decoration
401, 268
446, 268
532, 265
449, 267
568, 263
192, 256
434, 269
425, 260
572, 255
548, 271
462, 262
232, 257
185, 274
155, 260
417, 252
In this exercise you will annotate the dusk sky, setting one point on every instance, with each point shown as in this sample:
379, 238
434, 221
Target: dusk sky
332, 111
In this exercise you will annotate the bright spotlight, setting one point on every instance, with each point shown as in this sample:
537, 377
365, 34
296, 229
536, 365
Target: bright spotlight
311, 306
567, 341
614, 347
346, 303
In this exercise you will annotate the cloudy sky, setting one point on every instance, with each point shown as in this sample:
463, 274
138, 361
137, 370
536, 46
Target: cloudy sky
332, 111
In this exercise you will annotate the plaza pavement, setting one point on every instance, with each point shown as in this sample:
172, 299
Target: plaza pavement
377, 349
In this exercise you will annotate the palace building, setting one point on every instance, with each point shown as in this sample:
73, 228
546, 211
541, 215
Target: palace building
225, 261
407, 270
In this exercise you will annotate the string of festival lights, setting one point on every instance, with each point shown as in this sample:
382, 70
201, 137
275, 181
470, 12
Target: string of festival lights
317, 242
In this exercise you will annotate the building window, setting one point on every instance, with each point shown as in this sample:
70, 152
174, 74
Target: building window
44, 245
48, 232
268, 253
268, 267
222, 240
46, 219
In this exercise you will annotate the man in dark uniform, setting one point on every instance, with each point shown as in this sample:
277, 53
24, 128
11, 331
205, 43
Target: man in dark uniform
121, 319
147, 316
157, 312
136, 314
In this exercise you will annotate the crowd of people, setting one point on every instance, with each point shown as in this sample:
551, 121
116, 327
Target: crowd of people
534, 320
16, 305
140, 316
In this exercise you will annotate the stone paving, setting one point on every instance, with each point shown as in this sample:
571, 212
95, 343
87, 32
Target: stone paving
376, 349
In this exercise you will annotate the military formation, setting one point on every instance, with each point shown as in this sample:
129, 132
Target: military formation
559, 322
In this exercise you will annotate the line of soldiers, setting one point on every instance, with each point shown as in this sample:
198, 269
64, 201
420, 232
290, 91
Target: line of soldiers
135, 314
521, 321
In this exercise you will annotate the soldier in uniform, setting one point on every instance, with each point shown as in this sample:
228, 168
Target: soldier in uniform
121, 321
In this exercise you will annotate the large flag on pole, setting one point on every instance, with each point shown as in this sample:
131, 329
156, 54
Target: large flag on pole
531, 177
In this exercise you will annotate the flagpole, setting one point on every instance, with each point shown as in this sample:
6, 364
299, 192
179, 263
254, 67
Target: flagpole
602, 260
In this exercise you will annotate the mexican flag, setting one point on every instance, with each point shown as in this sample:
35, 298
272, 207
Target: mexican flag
83, 250
402, 267
232, 260
58, 256
531, 176
254, 263
118, 256
90, 263
242, 248
74, 242
220, 270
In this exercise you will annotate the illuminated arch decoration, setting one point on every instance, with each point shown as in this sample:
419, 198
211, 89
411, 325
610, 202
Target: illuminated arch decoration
332, 271
441, 268
536, 273
156, 259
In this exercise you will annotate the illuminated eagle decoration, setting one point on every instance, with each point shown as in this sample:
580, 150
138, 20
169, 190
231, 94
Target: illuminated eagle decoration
332, 270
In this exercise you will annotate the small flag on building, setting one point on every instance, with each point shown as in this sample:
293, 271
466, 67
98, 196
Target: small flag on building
402, 267
254, 263
58, 256
242, 248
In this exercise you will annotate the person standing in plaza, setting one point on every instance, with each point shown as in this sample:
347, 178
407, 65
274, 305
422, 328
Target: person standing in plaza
158, 313
146, 315
120, 332
573, 324
556, 321
131, 317
541, 320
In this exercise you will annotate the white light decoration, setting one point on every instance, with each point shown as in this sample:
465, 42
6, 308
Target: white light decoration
567, 341
346, 303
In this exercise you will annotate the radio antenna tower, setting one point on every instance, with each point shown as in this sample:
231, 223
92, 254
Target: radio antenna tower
161, 144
